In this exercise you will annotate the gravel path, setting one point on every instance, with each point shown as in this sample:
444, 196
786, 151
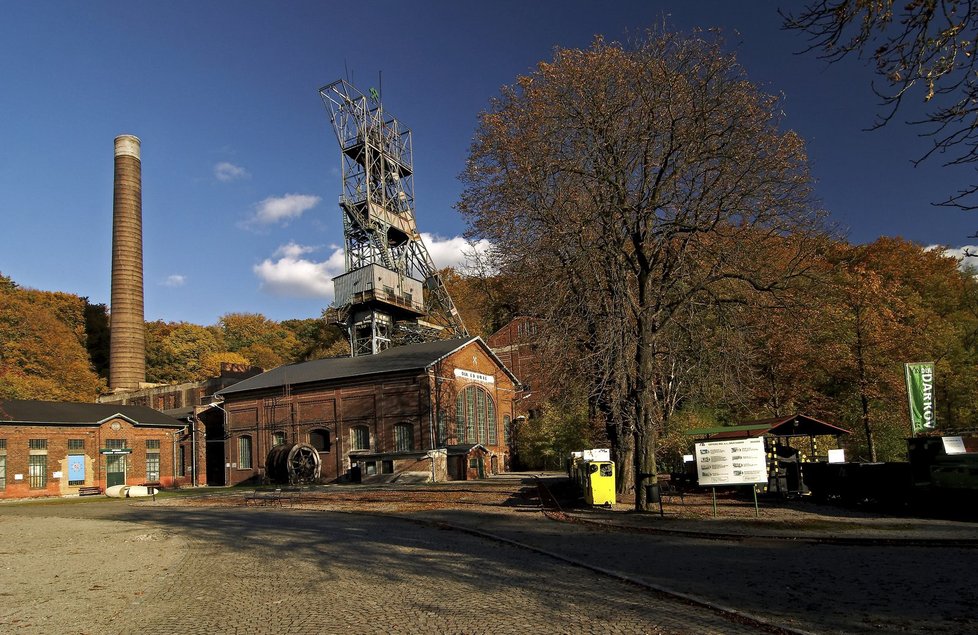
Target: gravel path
71, 575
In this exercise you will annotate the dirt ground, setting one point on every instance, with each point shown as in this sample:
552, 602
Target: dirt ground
101, 566
500, 494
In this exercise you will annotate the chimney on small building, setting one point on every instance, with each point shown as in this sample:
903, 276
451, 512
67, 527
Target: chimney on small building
127, 328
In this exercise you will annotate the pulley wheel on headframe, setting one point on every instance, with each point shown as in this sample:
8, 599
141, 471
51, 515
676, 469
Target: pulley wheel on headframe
293, 463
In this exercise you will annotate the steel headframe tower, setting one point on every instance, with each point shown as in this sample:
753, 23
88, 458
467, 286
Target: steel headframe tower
391, 287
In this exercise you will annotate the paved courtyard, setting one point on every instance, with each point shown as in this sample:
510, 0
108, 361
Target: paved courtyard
429, 558
118, 567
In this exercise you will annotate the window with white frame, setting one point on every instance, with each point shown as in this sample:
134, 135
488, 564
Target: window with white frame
153, 460
403, 437
244, 453
37, 470
37, 463
475, 416
359, 438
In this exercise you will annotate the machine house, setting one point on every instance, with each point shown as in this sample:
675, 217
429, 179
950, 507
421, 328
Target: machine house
433, 411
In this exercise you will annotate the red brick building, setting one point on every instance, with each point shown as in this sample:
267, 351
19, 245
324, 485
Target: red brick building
55, 448
433, 411
514, 345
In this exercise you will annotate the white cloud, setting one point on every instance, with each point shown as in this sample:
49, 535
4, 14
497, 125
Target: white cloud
225, 172
281, 209
175, 280
965, 254
456, 252
288, 274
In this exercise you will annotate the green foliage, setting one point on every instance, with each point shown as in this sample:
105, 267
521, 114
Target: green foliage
546, 441
675, 442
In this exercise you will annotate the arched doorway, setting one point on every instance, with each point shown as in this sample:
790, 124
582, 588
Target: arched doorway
214, 453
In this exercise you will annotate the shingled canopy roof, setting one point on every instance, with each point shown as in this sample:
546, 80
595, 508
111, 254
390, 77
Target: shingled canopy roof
83, 414
790, 426
398, 359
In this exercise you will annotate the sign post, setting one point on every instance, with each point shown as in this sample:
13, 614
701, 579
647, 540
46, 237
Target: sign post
731, 462
920, 395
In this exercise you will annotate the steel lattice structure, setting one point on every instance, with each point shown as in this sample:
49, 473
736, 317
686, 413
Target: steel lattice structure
390, 286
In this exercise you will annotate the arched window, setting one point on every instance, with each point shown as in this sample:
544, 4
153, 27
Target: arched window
244, 453
403, 437
491, 418
278, 438
359, 438
319, 439
475, 416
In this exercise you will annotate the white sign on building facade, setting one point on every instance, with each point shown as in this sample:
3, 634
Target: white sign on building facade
474, 376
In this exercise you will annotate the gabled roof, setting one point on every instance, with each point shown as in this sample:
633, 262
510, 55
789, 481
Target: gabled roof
792, 425
70, 413
393, 360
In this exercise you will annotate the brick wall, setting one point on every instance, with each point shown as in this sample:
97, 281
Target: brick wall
379, 405
53, 444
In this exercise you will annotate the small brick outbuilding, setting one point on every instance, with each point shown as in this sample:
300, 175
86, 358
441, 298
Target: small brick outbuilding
52, 448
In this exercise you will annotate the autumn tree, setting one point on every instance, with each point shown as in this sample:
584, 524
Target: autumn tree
925, 50
316, 338
897, 303
42, 346
263, 342
211, 363
176, 351
632, 187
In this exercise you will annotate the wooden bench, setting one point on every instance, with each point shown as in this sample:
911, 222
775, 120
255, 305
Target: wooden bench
89, 491
156, 485
671, 488
273, 497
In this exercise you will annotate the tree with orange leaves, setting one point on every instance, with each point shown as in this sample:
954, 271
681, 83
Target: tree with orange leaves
631, 188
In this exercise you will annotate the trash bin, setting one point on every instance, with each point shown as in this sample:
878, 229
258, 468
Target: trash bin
599, 484
653, 494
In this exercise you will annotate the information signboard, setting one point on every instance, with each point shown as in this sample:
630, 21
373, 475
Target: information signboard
953, 445
731, 462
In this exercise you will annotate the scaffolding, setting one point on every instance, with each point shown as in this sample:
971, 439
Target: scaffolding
390, 290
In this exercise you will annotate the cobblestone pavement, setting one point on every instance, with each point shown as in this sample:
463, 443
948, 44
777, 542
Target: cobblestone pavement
220, 567
823, 588
246, 570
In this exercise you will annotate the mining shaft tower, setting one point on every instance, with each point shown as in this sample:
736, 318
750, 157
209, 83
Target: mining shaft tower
390, 290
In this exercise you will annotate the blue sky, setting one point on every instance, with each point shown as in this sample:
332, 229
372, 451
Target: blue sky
241, 167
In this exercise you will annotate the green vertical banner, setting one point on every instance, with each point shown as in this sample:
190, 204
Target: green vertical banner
920, 391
